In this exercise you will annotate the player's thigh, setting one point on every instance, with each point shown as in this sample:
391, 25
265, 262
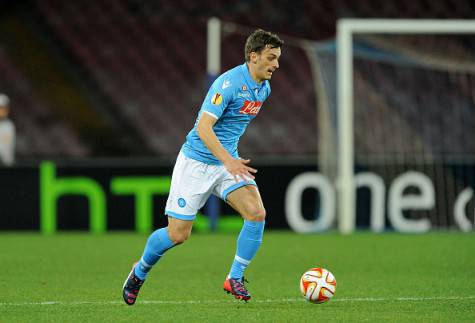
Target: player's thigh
191, 186
248, 202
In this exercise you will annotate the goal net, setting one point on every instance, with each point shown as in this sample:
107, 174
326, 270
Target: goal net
403, 123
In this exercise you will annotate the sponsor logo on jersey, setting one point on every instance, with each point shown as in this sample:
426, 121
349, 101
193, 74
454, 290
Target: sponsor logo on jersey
217, 99
251, 107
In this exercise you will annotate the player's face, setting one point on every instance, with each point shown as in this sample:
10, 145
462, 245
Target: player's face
265, 63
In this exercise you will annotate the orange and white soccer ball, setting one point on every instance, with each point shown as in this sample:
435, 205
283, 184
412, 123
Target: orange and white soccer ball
317, 285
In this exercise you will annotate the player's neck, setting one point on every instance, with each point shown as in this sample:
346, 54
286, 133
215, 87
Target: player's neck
252, 72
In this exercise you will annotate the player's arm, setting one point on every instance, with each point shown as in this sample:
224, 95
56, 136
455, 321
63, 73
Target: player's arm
237, 167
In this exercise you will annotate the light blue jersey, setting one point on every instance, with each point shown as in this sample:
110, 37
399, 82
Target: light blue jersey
234, 99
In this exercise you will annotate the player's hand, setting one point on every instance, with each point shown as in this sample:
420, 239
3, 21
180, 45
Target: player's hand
239, 169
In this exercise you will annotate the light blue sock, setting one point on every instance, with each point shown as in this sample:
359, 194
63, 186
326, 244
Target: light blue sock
157, 244
248, 243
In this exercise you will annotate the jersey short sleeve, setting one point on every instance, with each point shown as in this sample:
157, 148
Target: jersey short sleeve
220, 94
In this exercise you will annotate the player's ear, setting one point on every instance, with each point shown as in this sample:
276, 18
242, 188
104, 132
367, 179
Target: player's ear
253, 57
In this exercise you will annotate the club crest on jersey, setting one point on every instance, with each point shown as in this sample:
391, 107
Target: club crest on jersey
244, 88
217, 99
250, 107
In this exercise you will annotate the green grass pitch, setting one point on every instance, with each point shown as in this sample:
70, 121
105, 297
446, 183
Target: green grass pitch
389, 277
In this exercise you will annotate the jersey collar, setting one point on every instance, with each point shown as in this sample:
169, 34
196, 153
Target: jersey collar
250, 81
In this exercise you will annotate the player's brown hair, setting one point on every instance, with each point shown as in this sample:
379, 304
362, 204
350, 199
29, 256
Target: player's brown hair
258, 40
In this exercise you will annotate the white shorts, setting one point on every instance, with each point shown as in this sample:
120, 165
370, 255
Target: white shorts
192, 184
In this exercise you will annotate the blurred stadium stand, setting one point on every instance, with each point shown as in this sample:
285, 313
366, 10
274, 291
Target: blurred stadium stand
40, 133
154, 71
428, 103
144, 63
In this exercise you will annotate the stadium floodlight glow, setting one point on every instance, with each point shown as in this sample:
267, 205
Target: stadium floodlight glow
346, 28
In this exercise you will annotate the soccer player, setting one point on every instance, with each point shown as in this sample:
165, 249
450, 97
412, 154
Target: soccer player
209, 163
7, 133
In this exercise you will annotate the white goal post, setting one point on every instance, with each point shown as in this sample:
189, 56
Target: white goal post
346, 28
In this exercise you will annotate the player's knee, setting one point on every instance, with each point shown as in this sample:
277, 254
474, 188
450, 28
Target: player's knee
179, 236
257, 214
260, 215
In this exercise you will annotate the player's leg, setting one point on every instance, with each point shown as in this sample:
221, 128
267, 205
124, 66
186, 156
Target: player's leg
247, 201
188, 192
160, 241
157, 244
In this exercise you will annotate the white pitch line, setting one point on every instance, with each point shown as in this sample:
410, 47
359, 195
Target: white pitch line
403, 299
284, 300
